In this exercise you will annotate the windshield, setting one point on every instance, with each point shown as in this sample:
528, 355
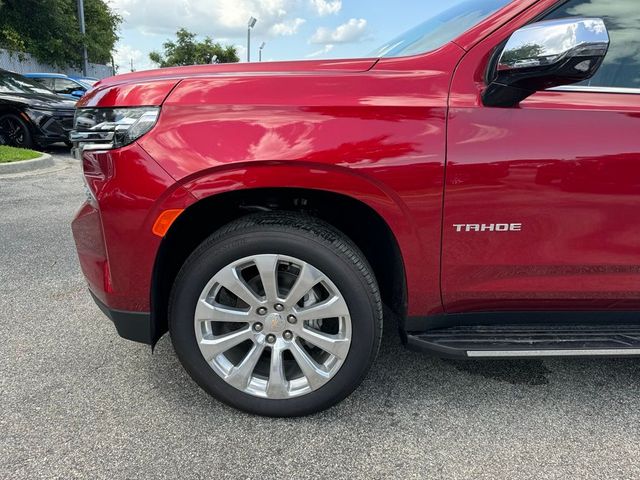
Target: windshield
440, 29
13, 83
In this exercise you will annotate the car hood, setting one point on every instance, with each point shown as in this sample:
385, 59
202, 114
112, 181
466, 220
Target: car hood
37, 101
297, 67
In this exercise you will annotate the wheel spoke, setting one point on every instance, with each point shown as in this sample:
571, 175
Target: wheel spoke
308, 278
277, 385
272, 335
212, 348
240, 375
267, 266
332, 344
310, 369
206, 312
334, 307
230, 280
11, 131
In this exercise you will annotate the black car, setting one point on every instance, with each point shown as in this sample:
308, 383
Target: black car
32, 116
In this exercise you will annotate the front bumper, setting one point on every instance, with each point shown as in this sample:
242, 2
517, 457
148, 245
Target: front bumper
126, 191
134, 326
51, 127
112, 229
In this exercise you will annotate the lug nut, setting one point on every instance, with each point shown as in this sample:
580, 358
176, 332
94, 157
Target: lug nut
271, 338
279, 307
258, 327
287, 335
292, 319
262, 311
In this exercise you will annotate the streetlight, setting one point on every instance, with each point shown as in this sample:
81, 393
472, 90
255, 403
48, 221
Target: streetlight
261, 48
252, 23
85, 59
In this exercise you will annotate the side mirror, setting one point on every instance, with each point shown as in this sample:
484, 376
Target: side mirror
78, 93
544, 55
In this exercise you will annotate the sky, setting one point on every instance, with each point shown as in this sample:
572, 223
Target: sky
291, 29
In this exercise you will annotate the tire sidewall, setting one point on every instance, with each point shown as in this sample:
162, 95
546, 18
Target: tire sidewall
214, 256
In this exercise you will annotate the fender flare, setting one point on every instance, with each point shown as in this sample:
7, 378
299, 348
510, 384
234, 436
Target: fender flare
344, 181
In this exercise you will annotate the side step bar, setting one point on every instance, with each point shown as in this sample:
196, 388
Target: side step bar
527, 341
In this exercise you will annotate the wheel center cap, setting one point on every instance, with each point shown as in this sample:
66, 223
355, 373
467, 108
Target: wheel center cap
275, 323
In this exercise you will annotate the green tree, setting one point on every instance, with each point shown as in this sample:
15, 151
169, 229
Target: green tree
102, 26
187, 50
48, 30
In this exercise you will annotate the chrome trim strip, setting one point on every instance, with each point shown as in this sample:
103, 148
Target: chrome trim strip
584, 88
553, 353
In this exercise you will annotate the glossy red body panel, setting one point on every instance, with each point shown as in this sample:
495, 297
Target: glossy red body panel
308, 67
377, 136
564, 164
150, 93
113, 234
407, 137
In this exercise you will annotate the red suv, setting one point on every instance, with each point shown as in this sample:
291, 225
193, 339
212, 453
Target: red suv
479, 176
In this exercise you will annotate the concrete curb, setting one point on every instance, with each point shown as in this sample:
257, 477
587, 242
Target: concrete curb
44, 161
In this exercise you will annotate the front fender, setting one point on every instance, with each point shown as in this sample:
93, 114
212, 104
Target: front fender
334, 179
375, 136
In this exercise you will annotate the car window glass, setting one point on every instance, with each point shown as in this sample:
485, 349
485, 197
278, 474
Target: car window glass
66, 87
47, 82
621, 67
14, 83
440, 28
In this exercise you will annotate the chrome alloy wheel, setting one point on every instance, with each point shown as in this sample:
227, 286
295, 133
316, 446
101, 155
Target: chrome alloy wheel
273, 326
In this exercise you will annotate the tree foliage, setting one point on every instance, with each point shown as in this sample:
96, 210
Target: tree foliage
525, 52
187, 50
49, 30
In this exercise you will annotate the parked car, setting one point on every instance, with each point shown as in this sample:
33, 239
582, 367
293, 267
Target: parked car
32, 116
91, 81
70, 88
263, 214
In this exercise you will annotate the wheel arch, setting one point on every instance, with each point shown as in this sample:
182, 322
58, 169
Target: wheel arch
356, 218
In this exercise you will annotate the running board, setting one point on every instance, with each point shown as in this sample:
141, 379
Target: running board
527, 341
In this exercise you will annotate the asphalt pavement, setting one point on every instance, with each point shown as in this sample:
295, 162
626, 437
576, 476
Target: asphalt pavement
79, 402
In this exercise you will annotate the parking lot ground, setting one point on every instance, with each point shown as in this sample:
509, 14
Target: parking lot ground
79, 402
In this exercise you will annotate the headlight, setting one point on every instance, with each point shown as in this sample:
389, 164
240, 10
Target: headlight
107, 128
39, 112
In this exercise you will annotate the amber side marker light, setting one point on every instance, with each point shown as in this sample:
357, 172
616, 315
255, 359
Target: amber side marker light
165, 220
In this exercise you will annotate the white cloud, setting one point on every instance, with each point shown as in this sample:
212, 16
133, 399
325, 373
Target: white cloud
288, 27
216, 18
327, 7
355, 30
149, 23
123, 56
323, 51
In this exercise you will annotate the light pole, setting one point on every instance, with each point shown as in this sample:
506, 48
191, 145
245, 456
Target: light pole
252, 23
261, 48
85, 58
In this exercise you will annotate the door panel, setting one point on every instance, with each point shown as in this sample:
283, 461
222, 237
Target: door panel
564, 167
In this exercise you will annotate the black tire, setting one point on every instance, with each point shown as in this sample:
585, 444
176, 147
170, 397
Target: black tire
298, 236
15, 132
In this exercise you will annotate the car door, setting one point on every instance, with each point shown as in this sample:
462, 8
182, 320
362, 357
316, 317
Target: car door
542, 201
